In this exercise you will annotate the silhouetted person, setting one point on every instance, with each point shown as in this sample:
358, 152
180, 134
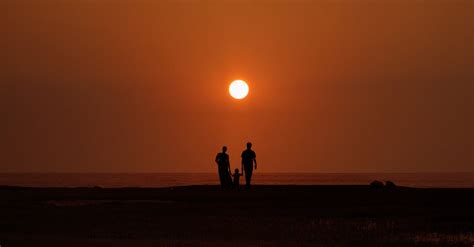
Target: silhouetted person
223, 167
248, 159
236, 176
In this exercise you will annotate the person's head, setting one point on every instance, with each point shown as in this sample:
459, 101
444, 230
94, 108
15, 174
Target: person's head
224, 149
249, 145
236, 170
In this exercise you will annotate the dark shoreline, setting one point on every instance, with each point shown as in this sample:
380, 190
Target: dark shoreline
266, 215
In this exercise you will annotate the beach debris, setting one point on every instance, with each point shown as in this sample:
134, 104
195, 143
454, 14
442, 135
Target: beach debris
390, 185
376, 184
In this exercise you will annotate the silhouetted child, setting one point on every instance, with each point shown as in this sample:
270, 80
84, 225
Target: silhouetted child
236, 176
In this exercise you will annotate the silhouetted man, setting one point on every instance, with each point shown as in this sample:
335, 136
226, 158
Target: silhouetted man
248, 159
223, 167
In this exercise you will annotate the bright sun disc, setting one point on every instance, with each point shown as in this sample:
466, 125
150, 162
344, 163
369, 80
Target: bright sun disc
238, 89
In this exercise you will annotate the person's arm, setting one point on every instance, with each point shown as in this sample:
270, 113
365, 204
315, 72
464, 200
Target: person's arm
255, 160
217, 159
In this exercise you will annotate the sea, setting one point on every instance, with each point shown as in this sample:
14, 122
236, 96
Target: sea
116, 180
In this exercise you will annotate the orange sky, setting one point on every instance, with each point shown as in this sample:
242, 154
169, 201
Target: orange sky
141, 86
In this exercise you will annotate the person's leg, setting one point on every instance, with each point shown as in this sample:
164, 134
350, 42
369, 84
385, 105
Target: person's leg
222, 179
248, 176
230, 183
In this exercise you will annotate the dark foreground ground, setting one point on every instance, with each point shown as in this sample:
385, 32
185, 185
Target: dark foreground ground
263, 216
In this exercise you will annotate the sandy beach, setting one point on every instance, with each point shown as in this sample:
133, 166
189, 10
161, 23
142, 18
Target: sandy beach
263, 216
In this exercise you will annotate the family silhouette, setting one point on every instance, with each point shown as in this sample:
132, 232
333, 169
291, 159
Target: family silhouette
249, 158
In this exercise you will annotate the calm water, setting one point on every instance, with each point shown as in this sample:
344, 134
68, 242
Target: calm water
465, 180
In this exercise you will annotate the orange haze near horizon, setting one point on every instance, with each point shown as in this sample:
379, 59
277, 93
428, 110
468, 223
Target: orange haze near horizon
142, 86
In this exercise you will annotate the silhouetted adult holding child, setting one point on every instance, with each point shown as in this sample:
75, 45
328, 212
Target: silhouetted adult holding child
248, 159
223, 168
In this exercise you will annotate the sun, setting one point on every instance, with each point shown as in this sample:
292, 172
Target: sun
239, 89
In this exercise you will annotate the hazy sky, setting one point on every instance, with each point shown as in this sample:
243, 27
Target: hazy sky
141, 86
